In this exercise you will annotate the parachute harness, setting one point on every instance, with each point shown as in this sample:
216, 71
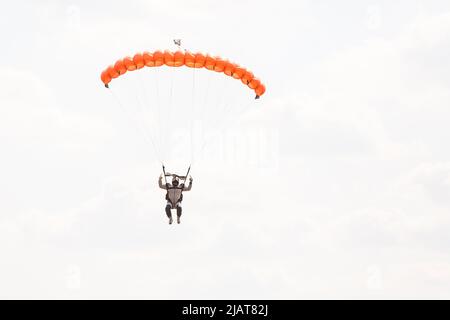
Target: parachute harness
174, 175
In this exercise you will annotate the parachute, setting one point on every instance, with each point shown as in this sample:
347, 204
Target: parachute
178, 59
166, 103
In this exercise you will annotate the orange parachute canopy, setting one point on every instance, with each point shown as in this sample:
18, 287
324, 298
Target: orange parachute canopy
179, 58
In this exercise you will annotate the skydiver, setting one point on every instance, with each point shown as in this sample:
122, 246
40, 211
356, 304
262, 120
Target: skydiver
174, 195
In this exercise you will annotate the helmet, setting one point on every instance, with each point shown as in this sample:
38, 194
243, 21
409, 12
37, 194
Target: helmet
175, 181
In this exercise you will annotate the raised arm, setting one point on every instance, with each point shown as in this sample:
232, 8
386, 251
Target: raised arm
161, 185
189, 187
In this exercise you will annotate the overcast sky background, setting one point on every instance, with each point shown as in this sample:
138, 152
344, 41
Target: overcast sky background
347, 194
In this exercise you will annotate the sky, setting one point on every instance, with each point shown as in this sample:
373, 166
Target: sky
334, 185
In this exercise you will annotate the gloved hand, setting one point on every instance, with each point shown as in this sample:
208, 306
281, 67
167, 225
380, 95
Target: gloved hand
190, 179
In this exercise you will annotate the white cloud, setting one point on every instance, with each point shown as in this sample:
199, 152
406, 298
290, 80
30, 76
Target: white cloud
345, 196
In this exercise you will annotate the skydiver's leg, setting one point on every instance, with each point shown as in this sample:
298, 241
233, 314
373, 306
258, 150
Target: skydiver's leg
169, 212
179, 210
